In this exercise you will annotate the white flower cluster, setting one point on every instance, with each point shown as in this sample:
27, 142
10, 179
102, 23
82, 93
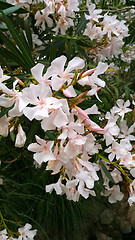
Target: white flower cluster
53, 101
107, 30
110, 30
129, 54
61, 12
25, 233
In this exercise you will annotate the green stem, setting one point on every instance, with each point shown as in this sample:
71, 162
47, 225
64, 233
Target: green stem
118, 167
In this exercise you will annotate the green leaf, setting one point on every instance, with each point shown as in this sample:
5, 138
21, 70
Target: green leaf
18, 38
107, 173
32, 132
10, 10
12, 136
59, 42
5, 5
52, 53
9, 55
50, 135
12, 47
69, 49
82, 52
3, 27
85, 43
81, 25
5, 111
28, 33
3, 61
116, 91
45, 52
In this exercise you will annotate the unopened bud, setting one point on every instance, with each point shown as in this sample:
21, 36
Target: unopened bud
12, 128
19, 81
67, 93
87, 73
81, 112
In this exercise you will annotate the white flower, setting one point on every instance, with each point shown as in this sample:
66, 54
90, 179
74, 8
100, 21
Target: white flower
1, 181
41, 97
126, 131
112, 49
85, 192
93, 32
36, 40
56, 186
94, 14
114, 194
37, 72
60, 76
132, 171
116, 174
42, 18
62, 24
14, 97
113, 150
57, 117
4, 123
122, 108
43, 150
20, 137
3, 77
26, 233
131, 199
109, 23
111, 129
3, 235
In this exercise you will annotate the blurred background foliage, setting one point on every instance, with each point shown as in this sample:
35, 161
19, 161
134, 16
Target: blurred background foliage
22, 194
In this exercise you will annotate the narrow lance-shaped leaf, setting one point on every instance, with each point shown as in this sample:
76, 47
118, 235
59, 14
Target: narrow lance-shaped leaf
5, 111
69, 49
5, 5
11, 10
107, 173
9, 55
81, 25
28, 33
32, 132
14, 50
19, 41
3, 27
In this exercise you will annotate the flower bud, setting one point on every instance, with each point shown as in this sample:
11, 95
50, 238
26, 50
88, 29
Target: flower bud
20, 137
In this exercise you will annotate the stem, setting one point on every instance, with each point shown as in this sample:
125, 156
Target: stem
118, 167
2, 220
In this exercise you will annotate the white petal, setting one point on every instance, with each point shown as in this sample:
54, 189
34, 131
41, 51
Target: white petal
57, 65
60, 119
37, 71
75, 63
101, 68
34, 147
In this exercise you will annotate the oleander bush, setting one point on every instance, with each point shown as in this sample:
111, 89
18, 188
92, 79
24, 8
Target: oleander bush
67, 97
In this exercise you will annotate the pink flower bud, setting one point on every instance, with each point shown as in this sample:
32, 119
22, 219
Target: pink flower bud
12, 128
81, 112
67, 93
87, 73
131, 190
80, 100
19, 81
20, 137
